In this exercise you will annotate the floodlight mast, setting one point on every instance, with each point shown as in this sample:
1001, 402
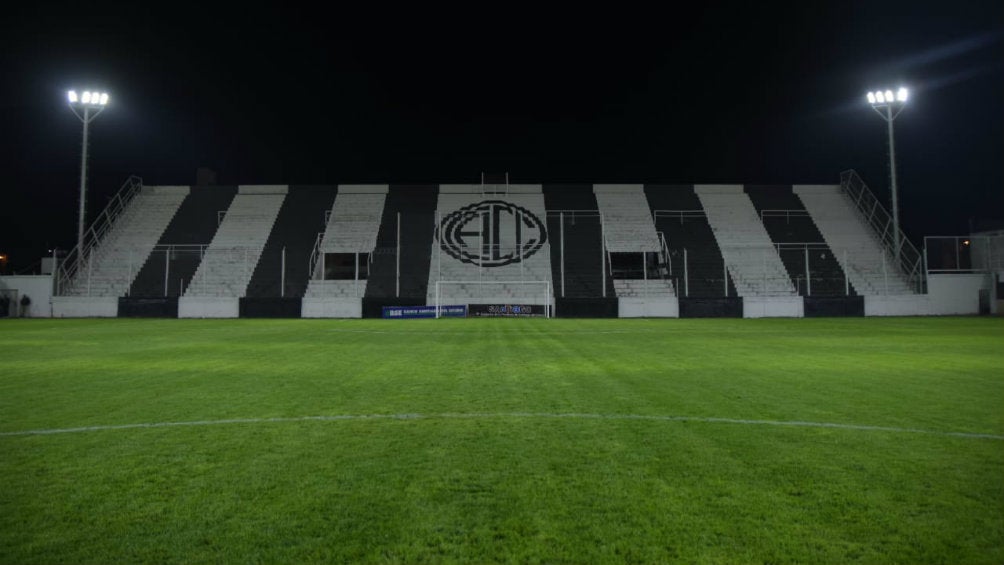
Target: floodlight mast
889, 105
91, 104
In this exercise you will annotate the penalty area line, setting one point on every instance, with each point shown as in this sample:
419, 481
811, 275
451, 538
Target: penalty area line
505, 415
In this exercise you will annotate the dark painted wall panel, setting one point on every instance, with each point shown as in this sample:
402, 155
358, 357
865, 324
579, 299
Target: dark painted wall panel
300, 219
194, 223
256, 307
130, 307
838, 306
416, 205
711, 307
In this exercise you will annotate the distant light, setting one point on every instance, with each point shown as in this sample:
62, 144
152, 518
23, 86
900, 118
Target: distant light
880, 97
871, 97
86, 98
72, 95
965, 242
104, 98
901, 95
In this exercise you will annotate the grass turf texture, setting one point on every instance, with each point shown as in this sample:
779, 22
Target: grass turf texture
502, 487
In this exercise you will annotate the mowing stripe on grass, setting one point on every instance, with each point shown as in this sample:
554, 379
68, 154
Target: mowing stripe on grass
510, 415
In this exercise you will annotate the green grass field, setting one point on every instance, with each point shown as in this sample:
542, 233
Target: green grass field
520, 441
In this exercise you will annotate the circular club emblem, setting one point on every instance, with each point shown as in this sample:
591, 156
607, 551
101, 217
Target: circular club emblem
491, 233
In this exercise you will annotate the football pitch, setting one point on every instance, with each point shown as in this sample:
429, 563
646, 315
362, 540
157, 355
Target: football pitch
516, 441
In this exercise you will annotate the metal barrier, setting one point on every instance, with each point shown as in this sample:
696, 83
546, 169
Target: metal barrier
907, 259
964, 254
68, 271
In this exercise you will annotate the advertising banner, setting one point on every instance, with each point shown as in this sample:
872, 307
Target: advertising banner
405, 312
507, 310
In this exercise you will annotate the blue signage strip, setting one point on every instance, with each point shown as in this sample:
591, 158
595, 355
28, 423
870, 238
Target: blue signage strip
507, 310
404, 312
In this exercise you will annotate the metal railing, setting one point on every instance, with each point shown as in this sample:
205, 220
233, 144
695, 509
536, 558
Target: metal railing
316, 266
964, 253
664, 260
907, 260
786, 214
679, 214
84, 253
315, 255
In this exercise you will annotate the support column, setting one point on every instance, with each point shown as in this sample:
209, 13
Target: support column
167, 269
83, 188
397, 260
561, 217
808, 281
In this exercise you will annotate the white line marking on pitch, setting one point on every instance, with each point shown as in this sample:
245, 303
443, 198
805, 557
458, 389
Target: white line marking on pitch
510, 415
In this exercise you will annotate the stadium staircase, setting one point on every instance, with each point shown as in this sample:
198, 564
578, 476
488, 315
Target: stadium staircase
179, 250
572, 209
352, 228
230, 259
476, 283
750, 256
415, 205
300, 219
114, 262
857, 248
628, 228
696, 262
797, 239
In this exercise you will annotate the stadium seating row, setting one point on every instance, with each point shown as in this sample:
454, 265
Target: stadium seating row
462, 244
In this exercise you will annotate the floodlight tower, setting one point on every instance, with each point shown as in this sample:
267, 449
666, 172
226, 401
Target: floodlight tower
888, 105
90, 103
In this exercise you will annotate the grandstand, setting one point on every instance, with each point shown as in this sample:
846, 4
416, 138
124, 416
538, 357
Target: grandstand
568, 250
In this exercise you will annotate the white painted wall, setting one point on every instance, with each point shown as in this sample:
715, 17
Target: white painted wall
85, 306
36, 287
948, 294
317, 307
898, 305
773, 307
957, 293
629, 307
208, 307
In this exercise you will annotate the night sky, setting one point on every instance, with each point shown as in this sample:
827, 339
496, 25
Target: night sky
711, 93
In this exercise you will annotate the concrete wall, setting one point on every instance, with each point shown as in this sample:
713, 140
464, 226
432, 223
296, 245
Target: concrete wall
332, 308
208, 307
648, 308
948, 294
773, 307
85, 306
957, 293
898, 305
36, 287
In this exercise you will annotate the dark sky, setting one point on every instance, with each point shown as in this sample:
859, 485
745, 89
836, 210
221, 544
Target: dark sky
711, 93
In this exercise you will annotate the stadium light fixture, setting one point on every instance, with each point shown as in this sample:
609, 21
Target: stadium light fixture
889, 105
86, 106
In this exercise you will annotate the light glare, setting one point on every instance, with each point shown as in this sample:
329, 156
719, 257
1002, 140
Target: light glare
104, 98
880, 97
72, 95
889, 96
86, 98
871, 97
902, 94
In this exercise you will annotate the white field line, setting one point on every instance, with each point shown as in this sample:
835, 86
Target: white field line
506, 415
468, 333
